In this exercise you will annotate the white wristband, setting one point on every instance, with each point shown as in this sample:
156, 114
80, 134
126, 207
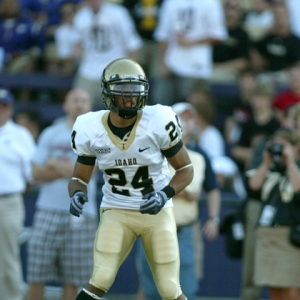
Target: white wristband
184, 167
79, 180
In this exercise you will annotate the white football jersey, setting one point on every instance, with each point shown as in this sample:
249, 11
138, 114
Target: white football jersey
135, 165
105, 36
195, 20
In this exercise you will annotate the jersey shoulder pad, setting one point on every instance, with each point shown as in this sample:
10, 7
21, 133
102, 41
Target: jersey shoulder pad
165, 125
84, 132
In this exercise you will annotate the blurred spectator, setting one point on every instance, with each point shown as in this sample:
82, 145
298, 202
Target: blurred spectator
289, 96
239, 111
294, 12
231, 55
276, 183
263, 123
251, 291
145, 16
212, 142
186, 32
47, 12
60, 249
102, 32
63, 40
292, 119
259, 20
17, 148
247, 5
278, 51
22, 39
30, 119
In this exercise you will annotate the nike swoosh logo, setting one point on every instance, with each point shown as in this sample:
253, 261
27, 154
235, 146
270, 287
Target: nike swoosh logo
141, 150
104, 210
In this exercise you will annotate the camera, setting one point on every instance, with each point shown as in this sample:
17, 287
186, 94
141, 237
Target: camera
277, 165
275, 149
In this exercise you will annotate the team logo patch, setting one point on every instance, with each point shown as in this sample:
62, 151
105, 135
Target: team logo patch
102, 150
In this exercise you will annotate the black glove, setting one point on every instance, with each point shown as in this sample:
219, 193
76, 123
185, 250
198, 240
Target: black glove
77, 201
154, 203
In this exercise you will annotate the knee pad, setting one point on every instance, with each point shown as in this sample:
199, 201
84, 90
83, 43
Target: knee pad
168, 289
108, 247
103, 278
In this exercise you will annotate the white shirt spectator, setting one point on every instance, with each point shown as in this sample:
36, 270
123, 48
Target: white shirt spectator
105, 36
257, 24
212, 136
16, 149
63, 41
294, 11
54, 142
196, 20
221, 164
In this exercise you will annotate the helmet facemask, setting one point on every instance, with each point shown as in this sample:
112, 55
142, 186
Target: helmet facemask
124, 87
132, 93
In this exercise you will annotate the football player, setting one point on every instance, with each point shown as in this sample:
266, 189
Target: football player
132, 144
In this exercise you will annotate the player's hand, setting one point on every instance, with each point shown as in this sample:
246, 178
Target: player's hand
155, 201
77, 202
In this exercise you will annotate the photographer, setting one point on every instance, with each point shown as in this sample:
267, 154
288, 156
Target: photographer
277, 183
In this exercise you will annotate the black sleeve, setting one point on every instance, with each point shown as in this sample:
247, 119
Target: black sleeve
87, 160
243, 50
210, 180
260, 46
297, 198
294, 50
173, 150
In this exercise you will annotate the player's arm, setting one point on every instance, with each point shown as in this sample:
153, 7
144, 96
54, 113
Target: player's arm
78, 184
184, 170
81, 176
84, 166
181, 162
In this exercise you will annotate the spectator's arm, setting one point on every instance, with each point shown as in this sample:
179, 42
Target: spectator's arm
242, 154
257, 61
44, 173
258, 177
77, 51
133, 55
211, 227
162, 52
213, 202
236, 64
183, 41
63, 168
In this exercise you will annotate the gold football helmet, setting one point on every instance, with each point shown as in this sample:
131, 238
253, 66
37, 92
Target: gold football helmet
124, 78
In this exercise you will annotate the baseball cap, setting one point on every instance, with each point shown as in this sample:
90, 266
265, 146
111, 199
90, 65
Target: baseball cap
181, 107
6, 96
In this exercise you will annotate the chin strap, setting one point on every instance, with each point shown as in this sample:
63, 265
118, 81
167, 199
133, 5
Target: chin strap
127, 114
